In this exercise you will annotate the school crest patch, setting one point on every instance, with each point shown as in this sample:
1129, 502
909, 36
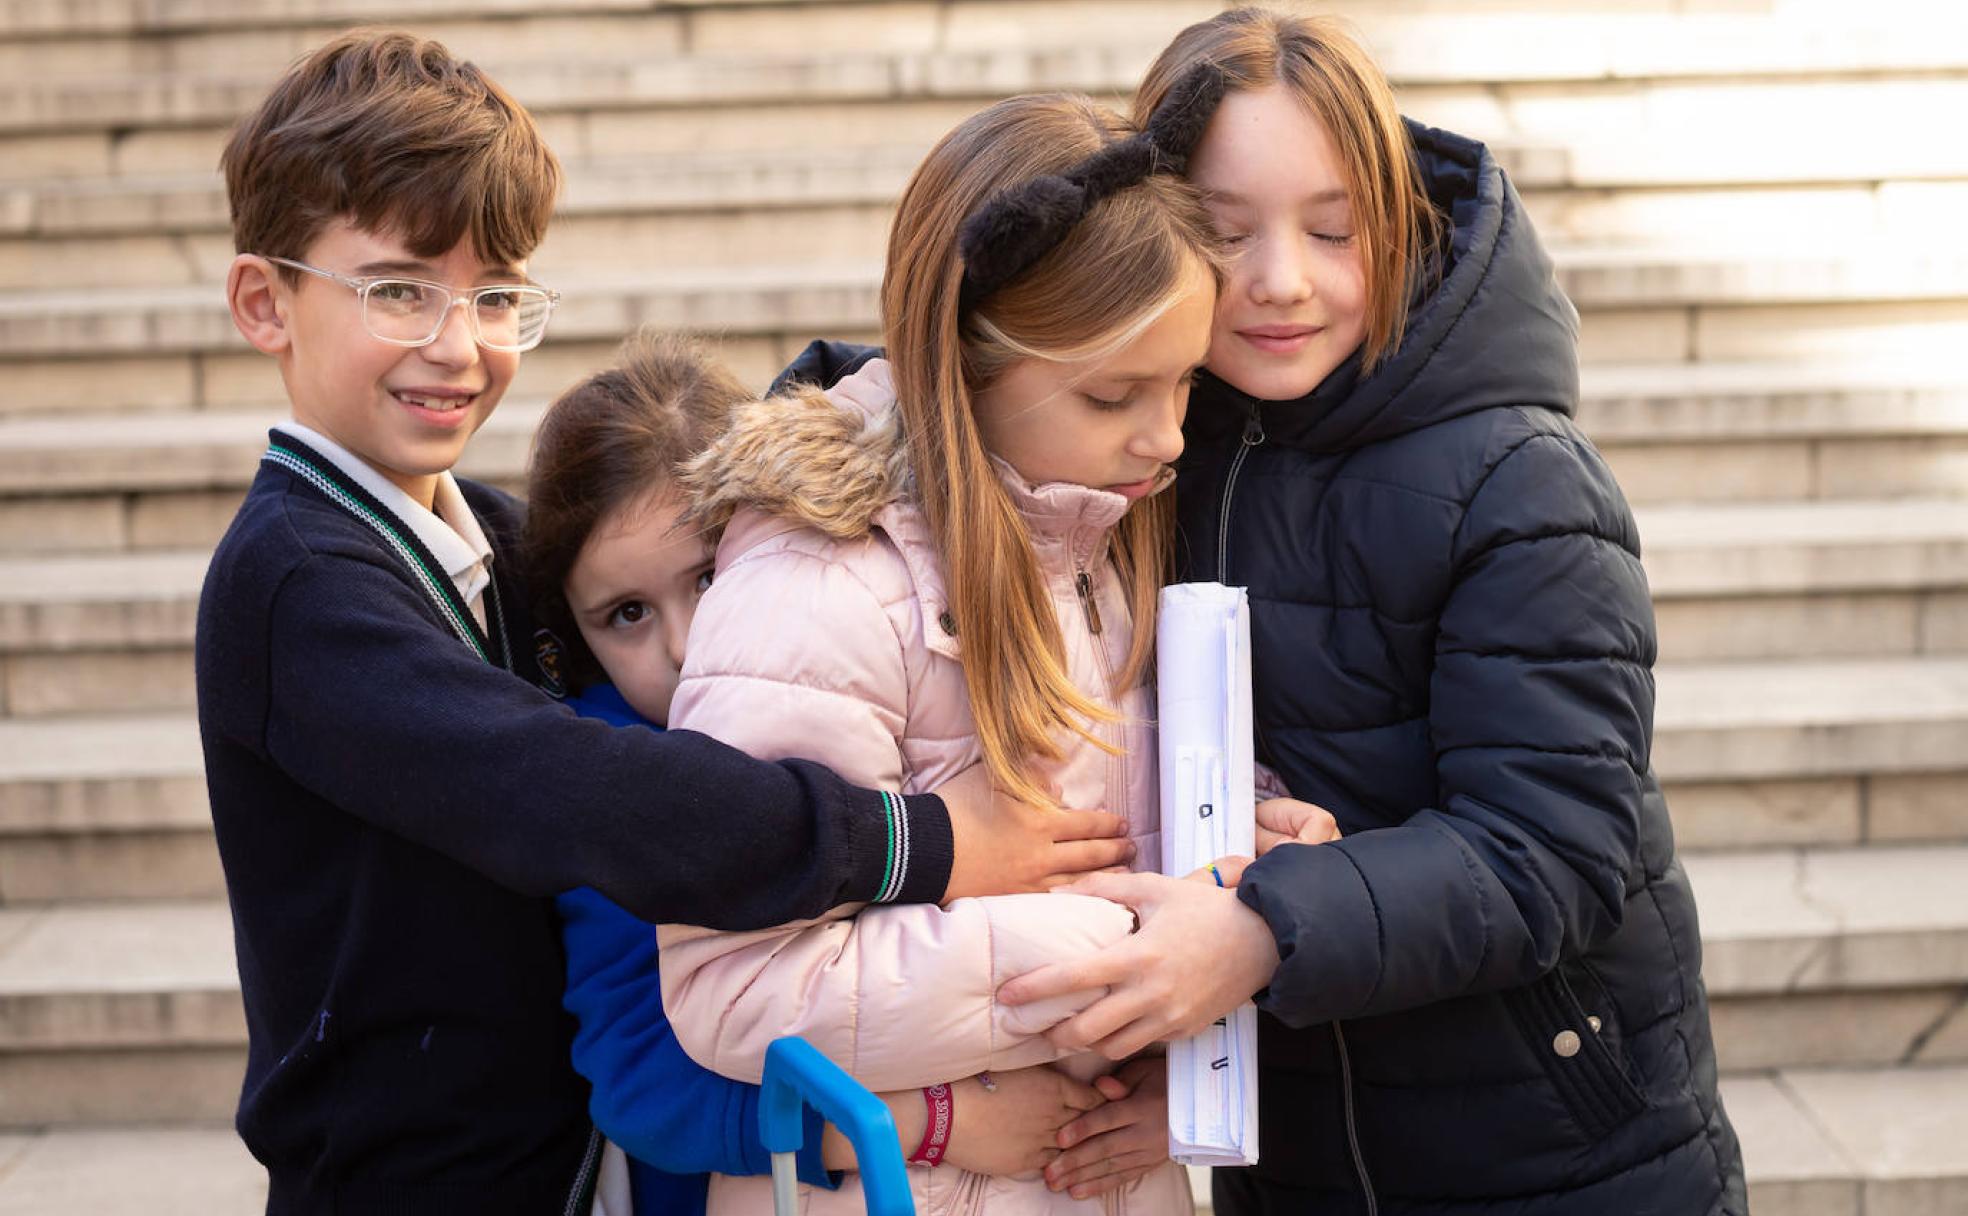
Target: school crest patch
547, 652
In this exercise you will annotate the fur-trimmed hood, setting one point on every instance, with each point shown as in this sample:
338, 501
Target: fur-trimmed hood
827, 460
838, 462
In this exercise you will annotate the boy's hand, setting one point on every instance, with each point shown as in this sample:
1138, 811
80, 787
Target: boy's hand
1011, 1129
1112, 1145
1003, 846
1289, 821
1200, 952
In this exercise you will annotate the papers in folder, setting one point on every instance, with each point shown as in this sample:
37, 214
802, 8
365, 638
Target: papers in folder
1208, 810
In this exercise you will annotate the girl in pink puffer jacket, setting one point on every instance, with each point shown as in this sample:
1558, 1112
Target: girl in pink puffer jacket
954, 558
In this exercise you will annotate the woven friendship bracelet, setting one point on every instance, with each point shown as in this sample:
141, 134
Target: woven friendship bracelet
1015, 228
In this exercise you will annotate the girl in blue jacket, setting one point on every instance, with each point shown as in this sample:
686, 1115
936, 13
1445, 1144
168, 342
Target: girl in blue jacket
1487, 996
616, 579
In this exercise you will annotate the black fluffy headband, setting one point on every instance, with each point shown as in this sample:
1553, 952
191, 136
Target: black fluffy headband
1015, 228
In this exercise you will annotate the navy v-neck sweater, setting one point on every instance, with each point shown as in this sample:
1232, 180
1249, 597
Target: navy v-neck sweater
396, 801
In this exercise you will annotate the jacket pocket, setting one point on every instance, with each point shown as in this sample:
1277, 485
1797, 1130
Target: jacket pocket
1583, 1067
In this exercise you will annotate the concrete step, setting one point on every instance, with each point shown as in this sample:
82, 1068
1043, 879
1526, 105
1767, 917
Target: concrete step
1835, 956
112, 805
84, 633
1613, 133
1665, 292
135, 826
1877, 1142
1819, 428
50, 18
119, 1013
53, 17
684, 183
1853, 1142
768, 208
200, 1169
1807, 580
754, 53
1487, 43
1861, 1142
174, 228
1811, 718
1854, 957
1747, 580
1814, 752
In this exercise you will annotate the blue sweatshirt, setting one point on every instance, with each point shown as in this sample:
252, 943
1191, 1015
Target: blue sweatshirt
678, 1121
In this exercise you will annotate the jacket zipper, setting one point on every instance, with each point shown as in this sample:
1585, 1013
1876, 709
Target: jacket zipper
1083, 583
584, 1178
1253, 436
1352, 1127
1117, 764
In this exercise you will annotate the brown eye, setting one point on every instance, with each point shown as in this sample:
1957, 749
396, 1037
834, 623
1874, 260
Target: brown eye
632, 613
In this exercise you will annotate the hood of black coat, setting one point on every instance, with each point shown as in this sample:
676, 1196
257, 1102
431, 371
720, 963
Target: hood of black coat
823, 364
1494, 331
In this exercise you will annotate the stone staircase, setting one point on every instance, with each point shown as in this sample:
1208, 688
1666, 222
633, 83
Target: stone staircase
1755, 204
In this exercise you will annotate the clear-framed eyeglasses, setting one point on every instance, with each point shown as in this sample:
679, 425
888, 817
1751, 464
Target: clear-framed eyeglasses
412, 312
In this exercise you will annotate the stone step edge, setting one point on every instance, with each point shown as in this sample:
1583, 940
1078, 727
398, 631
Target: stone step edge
1715, 723
1754, 550
1776, 922
132, 451
62, 18
1612, 388
687, 182
792, 178
1803, 1153
1425, 49
1620, 36
1772, 720
835, 299
1796, 1149
680, 183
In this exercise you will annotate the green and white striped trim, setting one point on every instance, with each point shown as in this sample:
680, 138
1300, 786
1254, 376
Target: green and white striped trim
898, 847
433, 584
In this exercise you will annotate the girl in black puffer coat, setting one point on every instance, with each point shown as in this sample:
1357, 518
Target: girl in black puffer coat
1487, 997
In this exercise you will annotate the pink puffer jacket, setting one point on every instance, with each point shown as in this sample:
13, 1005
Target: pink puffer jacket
822, 637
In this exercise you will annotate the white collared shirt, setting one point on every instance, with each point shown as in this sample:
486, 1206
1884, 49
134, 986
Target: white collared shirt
451, 532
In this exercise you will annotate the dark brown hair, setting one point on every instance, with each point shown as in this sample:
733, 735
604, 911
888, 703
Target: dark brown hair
1339, 84
397, 135
604, 443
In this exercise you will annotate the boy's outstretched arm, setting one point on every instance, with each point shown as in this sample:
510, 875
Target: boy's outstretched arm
353, 694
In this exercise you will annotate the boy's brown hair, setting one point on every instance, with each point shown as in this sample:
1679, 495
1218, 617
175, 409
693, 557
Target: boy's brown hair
396, 134
605, 443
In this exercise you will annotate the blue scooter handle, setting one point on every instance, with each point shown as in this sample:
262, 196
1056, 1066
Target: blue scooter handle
797, 1075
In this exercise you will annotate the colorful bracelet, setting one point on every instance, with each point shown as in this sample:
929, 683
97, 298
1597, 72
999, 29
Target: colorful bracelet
936, 1137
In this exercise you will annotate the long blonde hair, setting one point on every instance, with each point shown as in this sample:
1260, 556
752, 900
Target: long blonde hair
1340, 85
1122, 267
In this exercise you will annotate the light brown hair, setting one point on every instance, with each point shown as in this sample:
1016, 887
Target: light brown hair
605, 443
1120, 269
395, 134
1340, 86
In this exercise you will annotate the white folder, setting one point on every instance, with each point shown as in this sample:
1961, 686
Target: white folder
1209, 808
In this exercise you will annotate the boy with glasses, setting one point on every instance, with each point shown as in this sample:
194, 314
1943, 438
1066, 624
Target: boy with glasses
395, 797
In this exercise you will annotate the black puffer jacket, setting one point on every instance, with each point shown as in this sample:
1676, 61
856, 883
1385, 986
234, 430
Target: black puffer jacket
1491, 996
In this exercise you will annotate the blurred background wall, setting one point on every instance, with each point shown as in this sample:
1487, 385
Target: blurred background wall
1756, 204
